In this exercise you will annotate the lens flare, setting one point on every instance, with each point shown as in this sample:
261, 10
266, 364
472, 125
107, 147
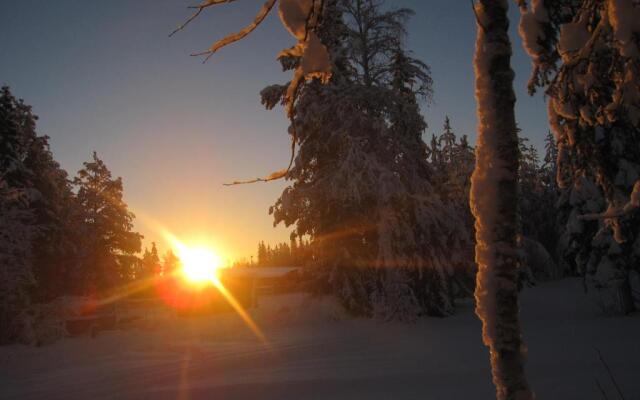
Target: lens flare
199, 265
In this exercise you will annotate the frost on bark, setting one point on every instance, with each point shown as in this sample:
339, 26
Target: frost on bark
494, 202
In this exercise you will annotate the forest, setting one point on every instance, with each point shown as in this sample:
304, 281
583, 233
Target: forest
399, 221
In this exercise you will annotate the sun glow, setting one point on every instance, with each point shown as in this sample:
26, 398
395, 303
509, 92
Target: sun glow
199, 264
200, 267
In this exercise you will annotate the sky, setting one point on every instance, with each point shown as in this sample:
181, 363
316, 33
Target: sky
105, 77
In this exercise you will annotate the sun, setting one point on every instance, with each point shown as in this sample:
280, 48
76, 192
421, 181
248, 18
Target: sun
199, 264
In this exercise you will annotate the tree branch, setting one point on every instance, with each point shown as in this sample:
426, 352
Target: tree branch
266, 8
199, 8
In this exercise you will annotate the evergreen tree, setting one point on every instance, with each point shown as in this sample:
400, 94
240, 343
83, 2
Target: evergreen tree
361, 186
452, 162
57, 216
16, 277
17, 219
53, 203
109, 242
530, 188
150, 263
262, 254
538, 214
447, 142
586, 57
550, 166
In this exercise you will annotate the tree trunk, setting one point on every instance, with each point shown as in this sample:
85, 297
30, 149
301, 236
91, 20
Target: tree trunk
494, 202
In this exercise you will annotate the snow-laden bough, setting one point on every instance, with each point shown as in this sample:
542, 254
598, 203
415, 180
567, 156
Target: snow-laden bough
300, 18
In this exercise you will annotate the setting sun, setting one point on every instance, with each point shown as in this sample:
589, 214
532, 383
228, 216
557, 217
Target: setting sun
199, 264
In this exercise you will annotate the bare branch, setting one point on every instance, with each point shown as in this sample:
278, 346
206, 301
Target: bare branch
266, 8
278, 174
294, 85
199, 8
273, 177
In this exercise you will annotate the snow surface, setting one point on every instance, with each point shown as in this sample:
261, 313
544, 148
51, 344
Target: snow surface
316, 352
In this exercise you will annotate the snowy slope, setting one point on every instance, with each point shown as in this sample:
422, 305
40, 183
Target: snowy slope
326, 356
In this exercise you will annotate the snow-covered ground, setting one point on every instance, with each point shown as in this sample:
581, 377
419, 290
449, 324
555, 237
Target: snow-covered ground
316, 353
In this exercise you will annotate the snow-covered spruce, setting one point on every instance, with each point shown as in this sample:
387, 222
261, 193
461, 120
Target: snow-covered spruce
494, 202
17, 219
586, 57
361, 187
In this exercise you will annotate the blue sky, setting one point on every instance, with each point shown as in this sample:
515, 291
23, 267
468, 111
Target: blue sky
105, 76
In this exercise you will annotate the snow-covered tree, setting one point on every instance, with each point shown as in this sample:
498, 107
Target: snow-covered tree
16, 257
586, 56
538, 195
109, 242
56, 215
453, 161
17, 220
361, 188
409, 216
494, 202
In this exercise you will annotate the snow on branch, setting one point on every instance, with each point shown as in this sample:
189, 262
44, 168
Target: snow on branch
613, 213
266, 8
300, 18
272, 177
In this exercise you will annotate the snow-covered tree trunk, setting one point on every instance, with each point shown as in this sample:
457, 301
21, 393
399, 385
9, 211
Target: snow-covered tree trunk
494, 202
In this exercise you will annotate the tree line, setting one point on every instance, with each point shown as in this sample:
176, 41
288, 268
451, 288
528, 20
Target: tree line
59, 235
297, 253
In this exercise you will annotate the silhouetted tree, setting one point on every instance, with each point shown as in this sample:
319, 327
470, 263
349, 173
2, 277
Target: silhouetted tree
109, 242
150, 263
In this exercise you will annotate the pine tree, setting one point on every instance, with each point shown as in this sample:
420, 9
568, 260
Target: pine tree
109, 241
